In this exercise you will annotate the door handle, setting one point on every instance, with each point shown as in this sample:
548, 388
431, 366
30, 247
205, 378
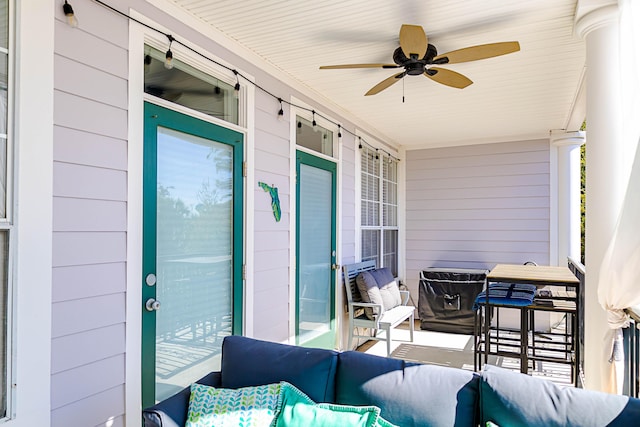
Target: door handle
335, 266
152, 304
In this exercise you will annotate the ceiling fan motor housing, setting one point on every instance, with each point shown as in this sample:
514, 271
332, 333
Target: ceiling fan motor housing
413, 65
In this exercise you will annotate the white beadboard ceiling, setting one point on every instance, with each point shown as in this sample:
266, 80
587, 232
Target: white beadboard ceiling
517, 96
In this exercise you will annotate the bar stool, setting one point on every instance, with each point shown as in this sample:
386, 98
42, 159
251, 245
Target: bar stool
490, 338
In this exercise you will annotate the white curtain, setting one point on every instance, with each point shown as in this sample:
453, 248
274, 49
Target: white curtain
619, 281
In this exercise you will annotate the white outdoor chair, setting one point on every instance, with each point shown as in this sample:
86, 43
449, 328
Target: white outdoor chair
386, 321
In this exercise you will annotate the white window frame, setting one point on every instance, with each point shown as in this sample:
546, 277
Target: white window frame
381, 227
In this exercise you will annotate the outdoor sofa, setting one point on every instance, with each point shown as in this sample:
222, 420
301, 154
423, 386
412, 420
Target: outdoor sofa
408, 394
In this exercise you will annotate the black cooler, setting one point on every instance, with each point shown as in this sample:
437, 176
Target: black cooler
446, 296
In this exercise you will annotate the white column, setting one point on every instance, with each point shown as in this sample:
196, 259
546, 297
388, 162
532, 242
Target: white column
608, 165
568, 145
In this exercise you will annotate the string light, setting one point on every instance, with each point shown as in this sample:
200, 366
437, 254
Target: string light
72, 20
280, 111
68, 10
377, 157
236, 88
168, 57
313, 122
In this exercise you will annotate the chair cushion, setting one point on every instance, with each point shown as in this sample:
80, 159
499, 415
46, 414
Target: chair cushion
519, 295
380, 287
388, 287
369, 292
250, 362
509, 398
408, 394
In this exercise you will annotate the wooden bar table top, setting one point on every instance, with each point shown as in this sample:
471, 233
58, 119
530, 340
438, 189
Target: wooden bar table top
539, 275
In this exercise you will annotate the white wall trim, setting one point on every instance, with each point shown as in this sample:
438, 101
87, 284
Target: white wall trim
32, 264
138, 36
553, 204
133, 381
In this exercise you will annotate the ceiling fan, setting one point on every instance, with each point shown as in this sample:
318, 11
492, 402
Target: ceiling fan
418, 57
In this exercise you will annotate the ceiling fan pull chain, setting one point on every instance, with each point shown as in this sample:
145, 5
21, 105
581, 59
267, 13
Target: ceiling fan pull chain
403, 91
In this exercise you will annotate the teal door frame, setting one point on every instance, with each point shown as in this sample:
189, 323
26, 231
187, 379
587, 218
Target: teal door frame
154, 117
326, 340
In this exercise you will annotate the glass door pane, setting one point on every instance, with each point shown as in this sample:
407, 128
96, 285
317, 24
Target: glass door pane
193, 257
316, 252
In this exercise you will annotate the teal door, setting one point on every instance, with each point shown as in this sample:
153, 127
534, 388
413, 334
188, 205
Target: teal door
315, 251
192, 248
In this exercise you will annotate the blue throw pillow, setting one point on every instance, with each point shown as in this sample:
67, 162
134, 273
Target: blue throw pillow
250, 362
408, 394
510, 398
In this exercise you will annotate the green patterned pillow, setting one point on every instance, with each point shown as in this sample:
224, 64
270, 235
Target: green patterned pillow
223, 407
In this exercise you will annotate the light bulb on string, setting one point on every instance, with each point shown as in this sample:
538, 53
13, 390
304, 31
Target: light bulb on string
313, 122
236, 88
168, 57
360, 142
377, 157
280, 111
72, 20
339, 131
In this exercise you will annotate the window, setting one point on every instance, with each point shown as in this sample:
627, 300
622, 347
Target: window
189, 87
5, 201
379, 209
316, 138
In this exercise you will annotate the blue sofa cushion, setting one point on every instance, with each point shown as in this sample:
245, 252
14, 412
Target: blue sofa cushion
509, 398
172, 412
408, 394
250, 362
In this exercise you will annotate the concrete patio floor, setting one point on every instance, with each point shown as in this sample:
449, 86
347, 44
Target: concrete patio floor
454, 350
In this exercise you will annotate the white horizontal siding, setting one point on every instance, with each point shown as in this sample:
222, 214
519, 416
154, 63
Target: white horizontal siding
476, 206
271, 238
89, 149
89, 215
99, 344
85, 281
78, 316
82, 248
89, 219
77, 384
88, 182
95, 410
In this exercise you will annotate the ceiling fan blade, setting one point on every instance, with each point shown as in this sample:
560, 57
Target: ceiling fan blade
448, 77
338, 67
413, 40
473, 53
385, 83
